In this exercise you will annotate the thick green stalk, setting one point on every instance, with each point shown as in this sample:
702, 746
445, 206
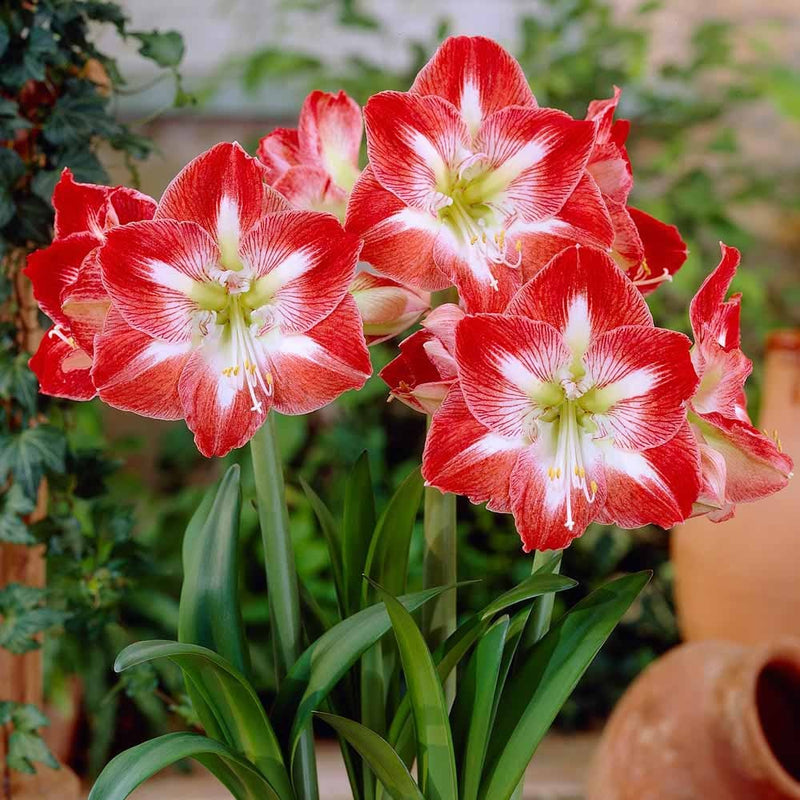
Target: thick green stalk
439, 569
284, 600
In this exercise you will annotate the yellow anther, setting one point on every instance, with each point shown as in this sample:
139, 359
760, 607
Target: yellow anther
483, 237
593, 486
501, 238
551, 473
519, 245
268, 378
780, 445
473, 239
558, 472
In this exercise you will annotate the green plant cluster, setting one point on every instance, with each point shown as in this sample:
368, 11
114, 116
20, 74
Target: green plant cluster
56, 110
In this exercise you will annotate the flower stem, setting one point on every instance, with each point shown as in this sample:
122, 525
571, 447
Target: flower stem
284, 600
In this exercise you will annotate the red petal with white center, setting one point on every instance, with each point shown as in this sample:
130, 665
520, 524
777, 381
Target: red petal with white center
223, 191
642, 377
312, 369
128, 205
53, 269
86, 302
664, 250
278, 151
652, 487
627, 249
722, 377
464, 457
602, 112
755, 465
713, 471
80, 207
710, 314
304, 262
506, 364
535, 159
413, 143
442, 322
550, 511
329, 133
150, 269
582, 293
415, 378
135, 372
477, 76
483, 285
220, 413
398, 239
583, 220
312, 189
387, 307
63, 368
609, 167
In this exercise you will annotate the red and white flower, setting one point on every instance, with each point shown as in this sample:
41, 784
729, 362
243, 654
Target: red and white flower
569, 408
387, 307
469, 181
422, 374
227, 304
66, 280
315, 165
740, 464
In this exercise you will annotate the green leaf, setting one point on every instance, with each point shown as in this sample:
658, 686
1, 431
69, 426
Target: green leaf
5, 38
12, 528
324, 662
25, 744
435, 755
78, 116
473, 713
132, 768
358, 525
29, 454
552, 669
24, 616
12, 169
230, 709
210, 613
165, 49
533, 586
387, 766
18, 383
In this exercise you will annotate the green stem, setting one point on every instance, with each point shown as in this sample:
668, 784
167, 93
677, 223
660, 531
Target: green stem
284, 599
439, 569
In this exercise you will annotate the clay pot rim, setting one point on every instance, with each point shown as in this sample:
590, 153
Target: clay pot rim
785, 651
784, 339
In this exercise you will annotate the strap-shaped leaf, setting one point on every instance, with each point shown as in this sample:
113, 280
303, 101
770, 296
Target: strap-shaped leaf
533, 697
435, 756
209, 610
325, 661
230, 709
130, 769
386, 765
358, 525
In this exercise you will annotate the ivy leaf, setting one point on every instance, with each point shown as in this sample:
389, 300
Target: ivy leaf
25, 616
165, 49
78, 116
25, 746
32, 223
17, 382
12, 169
5, 38
12, 529
41, 50
29, 454
10, 120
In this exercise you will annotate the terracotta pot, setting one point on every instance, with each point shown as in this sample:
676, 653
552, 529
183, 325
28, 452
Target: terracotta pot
740, 580
708, 721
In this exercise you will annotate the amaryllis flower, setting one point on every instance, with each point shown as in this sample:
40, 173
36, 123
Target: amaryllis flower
422, 374
66, 280
227, 304
740, 464
387, 307
569, 408
315, 165
650, 251
468, 180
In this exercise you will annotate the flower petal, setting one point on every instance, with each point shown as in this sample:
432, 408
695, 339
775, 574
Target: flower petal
63, 368
609, 164
442, 322
223, 191
710, 314
652, 487
135, 372
506, 364
627, 249
128, 205
539, 501
86, 302
535, 157
52, 270
278, 151
80, 207
150, 269
665, 252
312, 189
642, 378
755, 465
464, 457
583, 294
329, 133
477, 76
398, 239
387, 307
304, 261
312, 369
413, 142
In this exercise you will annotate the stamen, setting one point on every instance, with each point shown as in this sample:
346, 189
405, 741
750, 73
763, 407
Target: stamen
665, 276
58, 332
